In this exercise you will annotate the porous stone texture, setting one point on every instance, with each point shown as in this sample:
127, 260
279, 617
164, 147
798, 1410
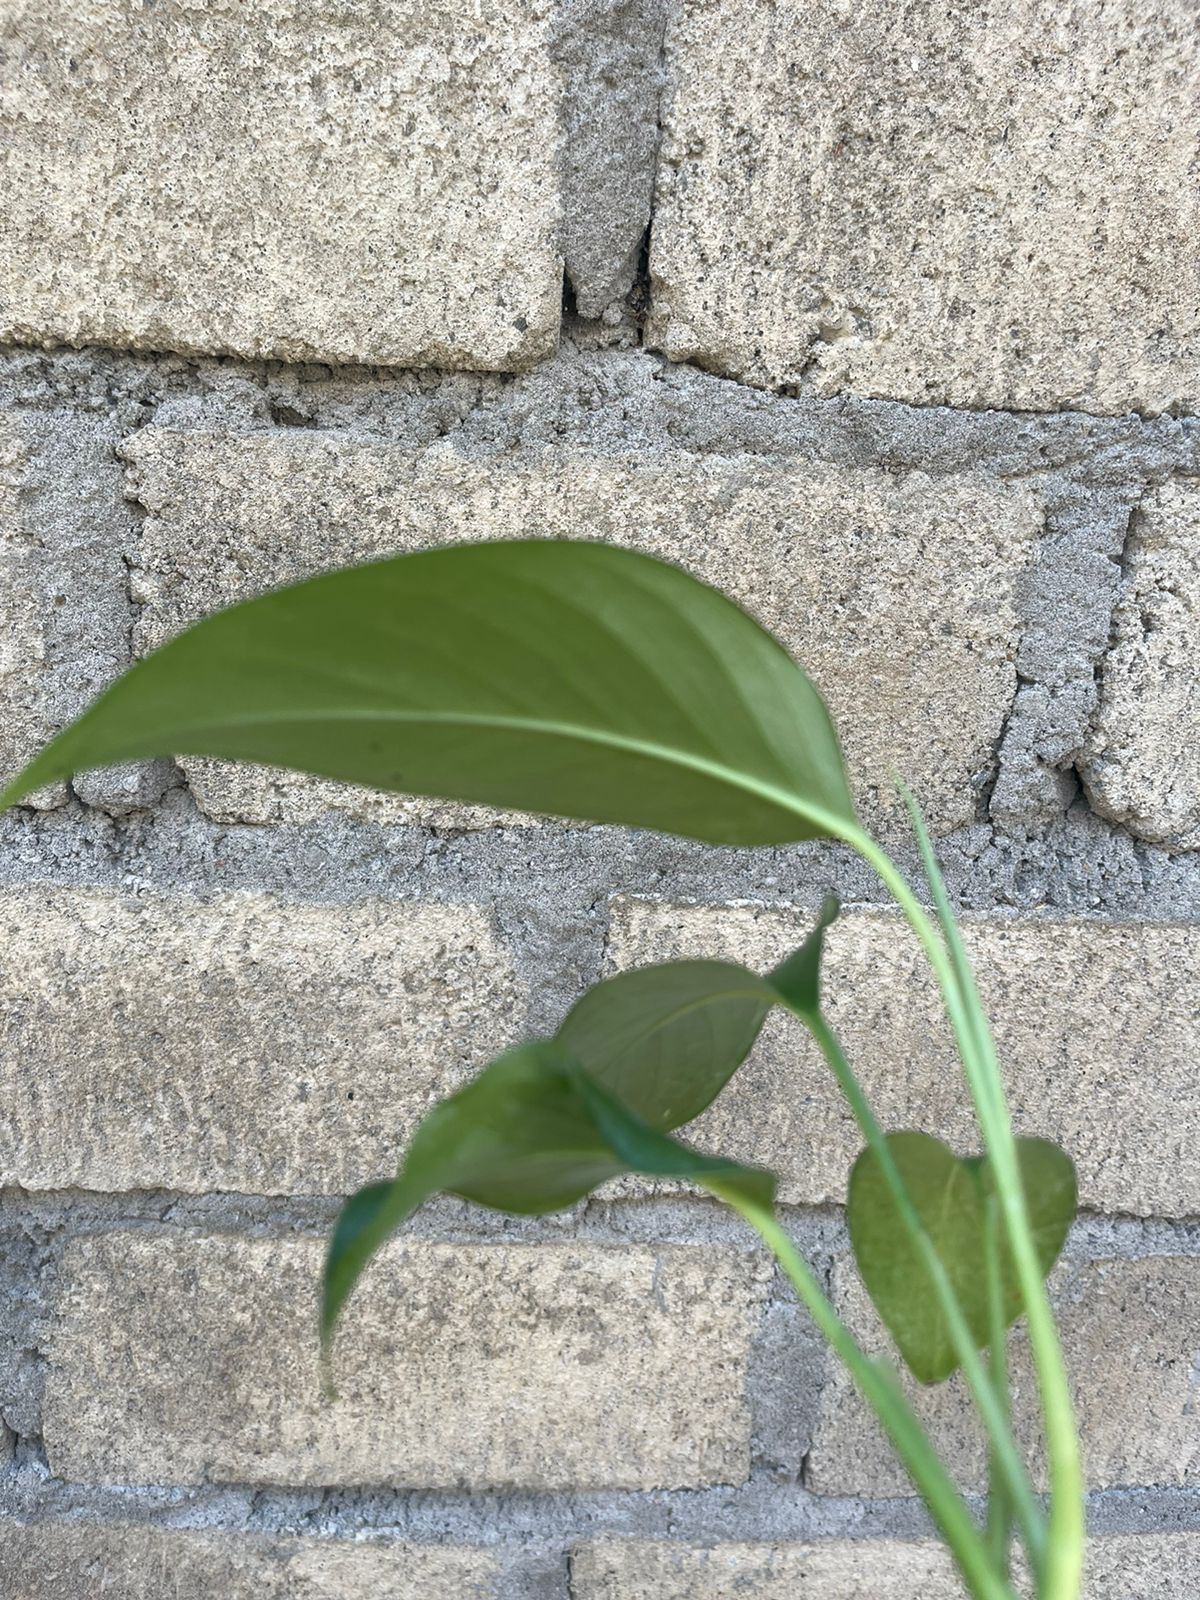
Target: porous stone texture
1119, 1567
610, 53
991, 205
235, 1043
83, 1560
1129, 1331
897, 595
834, 1569
1142, 759
1095, 1024
65, 538
183, 1359
354, 182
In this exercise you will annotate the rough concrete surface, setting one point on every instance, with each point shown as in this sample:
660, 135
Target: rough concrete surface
897, 595
873, 226
185, 1360
237, 1043
1142, 759
991, 205
80, 1560
359, 182
1095, 1024
1129, 1331
1131, 1567
65, 537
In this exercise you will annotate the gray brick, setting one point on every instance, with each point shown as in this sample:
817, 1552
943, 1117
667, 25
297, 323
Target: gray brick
237, 1043
65, 536
183, 1359
80, 1560
1130, 1330
1142, 761
980, 206
897, 594
1094, 1022
372, 183
1149, 1566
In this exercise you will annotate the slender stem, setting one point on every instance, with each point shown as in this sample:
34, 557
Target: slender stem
1064, 1549
878, 1384
1003, 1449
1000, 1507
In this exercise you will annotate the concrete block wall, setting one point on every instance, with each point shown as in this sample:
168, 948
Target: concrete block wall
886, 319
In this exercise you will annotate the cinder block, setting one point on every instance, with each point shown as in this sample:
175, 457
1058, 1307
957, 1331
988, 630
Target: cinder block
1148, 1566
1142, 761
1129, 1328
366, 182
831, 1569
238, 1043
897, 594
989, 205
82, 1560
65, 537
182, 1359
1094, 1023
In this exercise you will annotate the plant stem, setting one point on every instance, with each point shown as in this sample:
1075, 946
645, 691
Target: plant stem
878, 1384
1064, 1547
1000, 1507
1003, 1450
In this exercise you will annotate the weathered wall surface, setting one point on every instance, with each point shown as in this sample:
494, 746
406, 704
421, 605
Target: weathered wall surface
885, 318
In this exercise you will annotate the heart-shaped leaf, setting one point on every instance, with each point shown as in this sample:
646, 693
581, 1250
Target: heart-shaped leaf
534, 1132
951, 1197
548, 675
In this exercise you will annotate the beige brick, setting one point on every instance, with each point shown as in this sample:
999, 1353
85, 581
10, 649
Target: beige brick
1130, 1331
896, 594
237, 1043
1094, 1023
188, 1359
1142, 761
82, 1560
354, 182
64, 604
987, 205
832, 1569
1149, 1566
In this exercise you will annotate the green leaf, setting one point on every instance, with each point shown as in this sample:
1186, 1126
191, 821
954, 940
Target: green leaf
797, 981
665, 1040
949, 1195
534, 1132
547, 675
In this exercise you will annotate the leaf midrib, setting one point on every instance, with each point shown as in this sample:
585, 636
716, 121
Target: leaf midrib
668, 754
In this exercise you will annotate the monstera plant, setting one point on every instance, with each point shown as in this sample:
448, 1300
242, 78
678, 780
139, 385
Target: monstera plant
596, 683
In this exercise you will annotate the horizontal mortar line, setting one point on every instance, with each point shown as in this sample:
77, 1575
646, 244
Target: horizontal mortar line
763, 1510
376, 376
633, 1221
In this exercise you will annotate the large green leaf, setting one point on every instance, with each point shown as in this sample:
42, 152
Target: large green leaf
548, 675
951, 1198
534, 1132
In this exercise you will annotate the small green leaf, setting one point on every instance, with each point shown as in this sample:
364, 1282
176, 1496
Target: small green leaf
534, 1132
949, 1195
665, 1040
548, 675
797, 981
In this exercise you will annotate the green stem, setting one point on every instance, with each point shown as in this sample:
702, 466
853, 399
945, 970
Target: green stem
1003, 1449
1064, 1548
1000, 1507
879, 1386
